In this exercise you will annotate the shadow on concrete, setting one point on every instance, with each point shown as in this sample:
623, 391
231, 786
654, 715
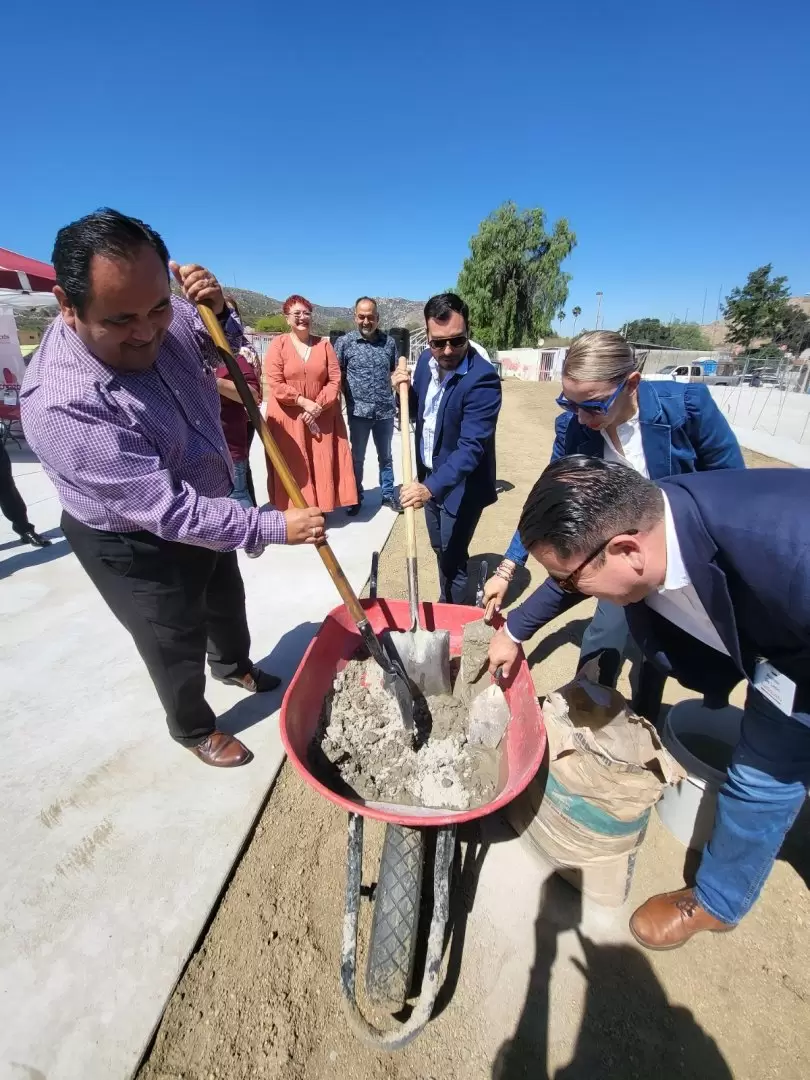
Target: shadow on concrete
369, 508
517, 586
31, 556
22, 455
283, 661
629, 1031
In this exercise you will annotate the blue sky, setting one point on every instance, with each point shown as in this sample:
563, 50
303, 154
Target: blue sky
335, 149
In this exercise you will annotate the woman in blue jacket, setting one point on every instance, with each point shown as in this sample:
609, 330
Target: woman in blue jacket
658, 428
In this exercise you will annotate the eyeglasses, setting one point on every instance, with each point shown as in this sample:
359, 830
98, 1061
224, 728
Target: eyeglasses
439, 344
601, 407
568, 584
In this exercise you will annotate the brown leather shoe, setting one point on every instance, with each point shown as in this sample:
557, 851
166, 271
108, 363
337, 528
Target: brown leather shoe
222, 750
668, 920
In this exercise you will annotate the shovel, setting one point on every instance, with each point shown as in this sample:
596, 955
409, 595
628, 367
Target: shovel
380, 649
425, 654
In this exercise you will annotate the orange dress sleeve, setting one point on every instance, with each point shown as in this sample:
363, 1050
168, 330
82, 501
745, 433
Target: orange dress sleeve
329, 395
276, 384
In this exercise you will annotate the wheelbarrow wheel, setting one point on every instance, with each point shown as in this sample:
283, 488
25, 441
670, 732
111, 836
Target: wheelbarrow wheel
395, 922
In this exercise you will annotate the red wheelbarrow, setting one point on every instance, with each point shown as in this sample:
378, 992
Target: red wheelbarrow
392, 945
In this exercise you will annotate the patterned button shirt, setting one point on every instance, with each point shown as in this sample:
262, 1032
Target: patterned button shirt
142, 450
367, 367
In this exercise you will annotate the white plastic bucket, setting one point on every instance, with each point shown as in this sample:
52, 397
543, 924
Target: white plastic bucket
687, 809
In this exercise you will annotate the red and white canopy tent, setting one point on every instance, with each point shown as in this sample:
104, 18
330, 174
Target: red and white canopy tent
24, 283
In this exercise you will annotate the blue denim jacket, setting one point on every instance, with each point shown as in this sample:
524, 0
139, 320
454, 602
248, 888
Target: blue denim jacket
682, 431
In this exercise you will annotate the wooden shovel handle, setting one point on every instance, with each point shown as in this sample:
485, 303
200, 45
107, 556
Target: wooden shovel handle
212, 325
407, 464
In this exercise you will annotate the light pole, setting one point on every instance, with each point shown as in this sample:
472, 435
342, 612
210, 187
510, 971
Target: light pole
598, 309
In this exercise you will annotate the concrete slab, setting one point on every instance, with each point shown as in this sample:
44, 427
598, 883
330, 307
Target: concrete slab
115, 843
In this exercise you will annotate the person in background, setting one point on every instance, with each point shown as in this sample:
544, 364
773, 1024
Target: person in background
659, 429
367, 358
235, 425
13, 505
456, 398
713, 570
302, 391
121, 407
250, 354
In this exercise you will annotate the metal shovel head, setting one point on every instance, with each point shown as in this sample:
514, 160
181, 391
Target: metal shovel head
425, 655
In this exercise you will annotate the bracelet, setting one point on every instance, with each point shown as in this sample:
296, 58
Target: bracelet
506, 573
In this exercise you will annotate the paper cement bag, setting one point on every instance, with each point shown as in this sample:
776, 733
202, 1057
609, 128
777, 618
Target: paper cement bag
588, 810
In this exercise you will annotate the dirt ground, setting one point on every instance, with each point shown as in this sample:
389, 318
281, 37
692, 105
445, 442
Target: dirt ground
538, 983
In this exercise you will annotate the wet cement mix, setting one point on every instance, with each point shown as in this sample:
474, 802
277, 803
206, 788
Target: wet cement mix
362, 739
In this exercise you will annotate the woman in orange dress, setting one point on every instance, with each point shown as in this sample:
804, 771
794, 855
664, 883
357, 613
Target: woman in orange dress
302, 391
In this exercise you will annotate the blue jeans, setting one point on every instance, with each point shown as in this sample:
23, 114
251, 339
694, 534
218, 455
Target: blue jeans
767, 783
240, 492
383, 432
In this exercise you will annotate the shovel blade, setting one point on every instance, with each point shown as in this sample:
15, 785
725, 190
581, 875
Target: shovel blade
425, 655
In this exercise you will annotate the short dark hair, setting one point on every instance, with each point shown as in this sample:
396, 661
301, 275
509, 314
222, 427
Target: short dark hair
579, 502
442, 306
104, 232
370, 299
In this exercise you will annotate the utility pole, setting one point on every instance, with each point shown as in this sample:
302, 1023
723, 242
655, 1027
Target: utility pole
598, 308
703, 313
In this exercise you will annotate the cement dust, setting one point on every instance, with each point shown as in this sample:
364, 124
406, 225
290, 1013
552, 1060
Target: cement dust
362, 743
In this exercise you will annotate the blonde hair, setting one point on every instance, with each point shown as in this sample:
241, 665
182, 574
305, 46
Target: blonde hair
600, 356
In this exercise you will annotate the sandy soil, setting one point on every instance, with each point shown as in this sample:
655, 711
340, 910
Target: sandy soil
537, 984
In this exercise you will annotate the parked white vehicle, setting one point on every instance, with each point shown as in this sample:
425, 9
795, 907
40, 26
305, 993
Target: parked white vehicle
722, 373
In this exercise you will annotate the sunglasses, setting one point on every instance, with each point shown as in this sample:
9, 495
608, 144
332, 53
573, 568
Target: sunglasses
569, 584
601, 407
439, 344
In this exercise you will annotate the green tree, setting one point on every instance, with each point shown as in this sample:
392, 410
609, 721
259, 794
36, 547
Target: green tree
270, 324
512, 278
576, 312
757, 310
687, 335
794, 330
647, 332
561, 318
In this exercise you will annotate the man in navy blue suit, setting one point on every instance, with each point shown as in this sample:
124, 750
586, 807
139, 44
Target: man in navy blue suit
714, 571
456, 398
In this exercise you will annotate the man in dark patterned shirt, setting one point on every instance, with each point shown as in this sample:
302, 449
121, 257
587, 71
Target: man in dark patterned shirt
367, 358
121, 405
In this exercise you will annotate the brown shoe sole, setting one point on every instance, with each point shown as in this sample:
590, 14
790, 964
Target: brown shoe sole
221, 764
679, 944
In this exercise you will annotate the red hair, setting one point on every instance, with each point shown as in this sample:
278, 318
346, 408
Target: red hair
295, 299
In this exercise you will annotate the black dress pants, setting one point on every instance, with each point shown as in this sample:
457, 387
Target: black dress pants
178, 602
450, 536
11, 502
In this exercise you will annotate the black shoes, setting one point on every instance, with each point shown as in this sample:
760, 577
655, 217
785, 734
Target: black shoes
255, 681
34, 539
393, 503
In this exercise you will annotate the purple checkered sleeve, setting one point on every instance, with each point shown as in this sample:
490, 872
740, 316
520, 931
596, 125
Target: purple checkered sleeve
142, 450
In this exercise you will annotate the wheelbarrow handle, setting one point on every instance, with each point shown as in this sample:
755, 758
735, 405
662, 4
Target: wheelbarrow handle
290, 484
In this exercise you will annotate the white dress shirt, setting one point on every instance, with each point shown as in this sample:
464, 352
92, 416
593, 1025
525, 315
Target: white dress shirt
632, 454
677, 600
433, 399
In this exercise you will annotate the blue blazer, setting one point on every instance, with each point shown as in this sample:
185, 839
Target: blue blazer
682, 431
463, 465
744, 540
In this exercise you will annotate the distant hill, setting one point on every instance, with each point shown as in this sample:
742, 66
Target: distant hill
393, 311
716, 331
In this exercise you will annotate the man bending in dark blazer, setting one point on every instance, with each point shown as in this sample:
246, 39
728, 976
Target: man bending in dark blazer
714, 571
456, 398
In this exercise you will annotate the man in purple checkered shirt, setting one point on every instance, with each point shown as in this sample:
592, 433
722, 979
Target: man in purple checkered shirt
121, 405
